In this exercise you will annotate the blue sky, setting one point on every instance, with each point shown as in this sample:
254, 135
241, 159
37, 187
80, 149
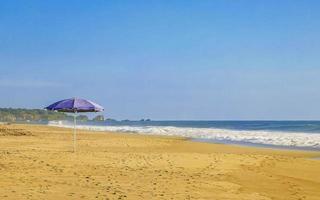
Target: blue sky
164, 59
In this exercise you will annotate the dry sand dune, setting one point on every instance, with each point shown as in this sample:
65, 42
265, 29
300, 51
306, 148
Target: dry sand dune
36, 162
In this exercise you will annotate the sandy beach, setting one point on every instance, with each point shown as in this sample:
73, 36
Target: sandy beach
37, 162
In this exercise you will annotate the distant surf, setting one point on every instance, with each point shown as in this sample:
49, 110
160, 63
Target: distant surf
235, 132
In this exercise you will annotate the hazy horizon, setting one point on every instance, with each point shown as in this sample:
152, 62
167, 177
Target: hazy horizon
164, 60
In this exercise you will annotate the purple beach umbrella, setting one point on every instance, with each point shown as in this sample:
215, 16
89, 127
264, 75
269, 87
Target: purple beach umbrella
75, 105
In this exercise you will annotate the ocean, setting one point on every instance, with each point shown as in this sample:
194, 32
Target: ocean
279, 134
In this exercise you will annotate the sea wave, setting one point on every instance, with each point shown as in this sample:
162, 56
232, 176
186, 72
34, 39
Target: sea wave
288, 139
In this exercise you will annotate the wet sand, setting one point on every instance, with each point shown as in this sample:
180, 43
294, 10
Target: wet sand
37, 162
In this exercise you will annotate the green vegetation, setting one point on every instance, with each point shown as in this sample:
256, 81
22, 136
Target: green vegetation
98, 118
82, 118
42, 116
36, 115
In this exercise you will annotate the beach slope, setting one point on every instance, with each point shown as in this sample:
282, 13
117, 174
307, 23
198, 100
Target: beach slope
37, 162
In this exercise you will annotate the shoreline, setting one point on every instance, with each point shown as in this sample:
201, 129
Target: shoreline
208, 141
203, 140
256, 145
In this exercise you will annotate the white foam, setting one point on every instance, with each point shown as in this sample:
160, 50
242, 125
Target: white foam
255, 137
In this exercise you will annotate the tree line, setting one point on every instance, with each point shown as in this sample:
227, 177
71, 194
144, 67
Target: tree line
38, 115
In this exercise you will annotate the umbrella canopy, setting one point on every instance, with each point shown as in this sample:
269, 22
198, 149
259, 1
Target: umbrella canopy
75, 105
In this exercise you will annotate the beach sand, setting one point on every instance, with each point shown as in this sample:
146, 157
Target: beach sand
36, 162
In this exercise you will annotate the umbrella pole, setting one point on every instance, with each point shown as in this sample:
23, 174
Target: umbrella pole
74, 132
